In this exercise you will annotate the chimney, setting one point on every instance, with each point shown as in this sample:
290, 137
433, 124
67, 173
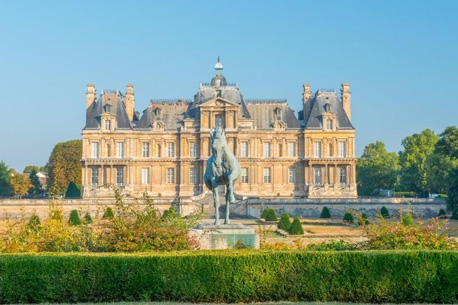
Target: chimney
306, 95
90, 94
346, 99
130, 101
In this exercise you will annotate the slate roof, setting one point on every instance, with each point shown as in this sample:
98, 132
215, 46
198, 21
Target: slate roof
116, 108
319, 100
263, 113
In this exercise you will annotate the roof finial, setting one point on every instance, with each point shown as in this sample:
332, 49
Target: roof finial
218, 58
218, 66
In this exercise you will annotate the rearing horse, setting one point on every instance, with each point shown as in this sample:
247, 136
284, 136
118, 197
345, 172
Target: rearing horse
223, 168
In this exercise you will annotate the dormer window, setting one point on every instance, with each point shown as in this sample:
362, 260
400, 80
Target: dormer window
157, 112
327, 107
108, 125
277, 112
107, 108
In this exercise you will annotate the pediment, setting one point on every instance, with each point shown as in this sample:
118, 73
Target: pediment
218, 102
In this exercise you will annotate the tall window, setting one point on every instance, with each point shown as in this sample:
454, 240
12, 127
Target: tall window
317, 175
219, 120
292, 149
343, 175
280, 150
95, 149
267, 176
193, 175
170, 175
120, 150
342, 149
266, 148
145, 149
329, 122
171, 149
244, 149
95, 176
292, 175
120, 176
159, 150
145, 176
107, 124
244, 175
193, 149
317, 149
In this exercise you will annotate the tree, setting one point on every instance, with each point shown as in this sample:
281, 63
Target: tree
37, 188
64, 165
21, 184
376, 169
5, 180
412, 161
73, 191
29, 168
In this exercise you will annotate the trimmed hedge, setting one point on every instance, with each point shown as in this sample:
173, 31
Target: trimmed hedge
233, 276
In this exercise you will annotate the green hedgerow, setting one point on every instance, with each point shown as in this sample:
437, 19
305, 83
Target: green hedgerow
325, 213
407, 219
108, 214
384, 212
442, 214
348, 217
270, 215
296, 227
74, 219
87, 218
284, 223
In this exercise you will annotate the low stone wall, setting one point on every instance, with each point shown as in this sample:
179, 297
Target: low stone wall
311, 208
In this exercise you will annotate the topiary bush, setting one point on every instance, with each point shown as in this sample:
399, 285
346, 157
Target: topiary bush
296, 227
325, 213
363, 219
454, 214
264, 213
87, 218
108, 214
384, 212
270, 215
73, 191
74, 219
407, 219
442, 214
284, 223
348, 217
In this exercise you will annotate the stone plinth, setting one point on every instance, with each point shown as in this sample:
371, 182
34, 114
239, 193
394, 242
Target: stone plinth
217, 237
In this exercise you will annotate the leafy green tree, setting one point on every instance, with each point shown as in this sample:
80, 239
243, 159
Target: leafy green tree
37, 188
29, 168
296, 227
376, 169
73, 191
325, 213
21, 184
5, 180
284, 223
64, 165
412, 161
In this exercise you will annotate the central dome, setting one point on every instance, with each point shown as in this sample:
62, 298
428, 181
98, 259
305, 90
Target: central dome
218, 81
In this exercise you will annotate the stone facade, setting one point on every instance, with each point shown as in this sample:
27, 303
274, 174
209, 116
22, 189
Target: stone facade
163, 152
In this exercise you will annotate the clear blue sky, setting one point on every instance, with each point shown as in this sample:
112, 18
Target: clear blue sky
401, 58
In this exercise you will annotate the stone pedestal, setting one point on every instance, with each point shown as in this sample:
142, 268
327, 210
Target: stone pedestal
217, 237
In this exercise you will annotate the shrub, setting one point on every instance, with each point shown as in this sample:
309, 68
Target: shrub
108, 214
325, 213
363, 220
442, 214
407, 219
270, 215
384, 212
284, 223
455, 214
74, 219
348, 217
264, 213
296, 227
332, 245
87, 218
73, 191
216, 277
170, 213
34, 223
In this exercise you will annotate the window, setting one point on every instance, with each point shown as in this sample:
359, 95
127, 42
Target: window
244, 149
119, 176
292, 175
267, 177
342, 149
120, 150
170, 175
329, 124
171, 149
317, 175
317, 149
343, 175
193, 149
145, 176
244, 175
159, 150
219, 120
95, 149
145, 149
292, 149
280, 150
266, 148
193, 175
107, 124
95, 176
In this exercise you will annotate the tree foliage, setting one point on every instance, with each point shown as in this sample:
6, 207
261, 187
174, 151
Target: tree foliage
5, 180
29, 168
37, 187
73, 191
64, 165
21, 184
412, 161
376, 169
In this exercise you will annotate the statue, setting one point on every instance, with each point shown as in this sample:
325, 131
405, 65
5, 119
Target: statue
223, 168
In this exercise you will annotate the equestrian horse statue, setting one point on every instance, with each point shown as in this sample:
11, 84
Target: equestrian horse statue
223, 168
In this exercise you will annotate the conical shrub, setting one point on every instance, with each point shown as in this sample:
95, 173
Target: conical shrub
284, 223
348, 217
87, 218
264, 213
384, 212
325, 213
296, 227
34, 223
407, 219
270, 215
108, 214
74, 219
363, 219
442, 214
